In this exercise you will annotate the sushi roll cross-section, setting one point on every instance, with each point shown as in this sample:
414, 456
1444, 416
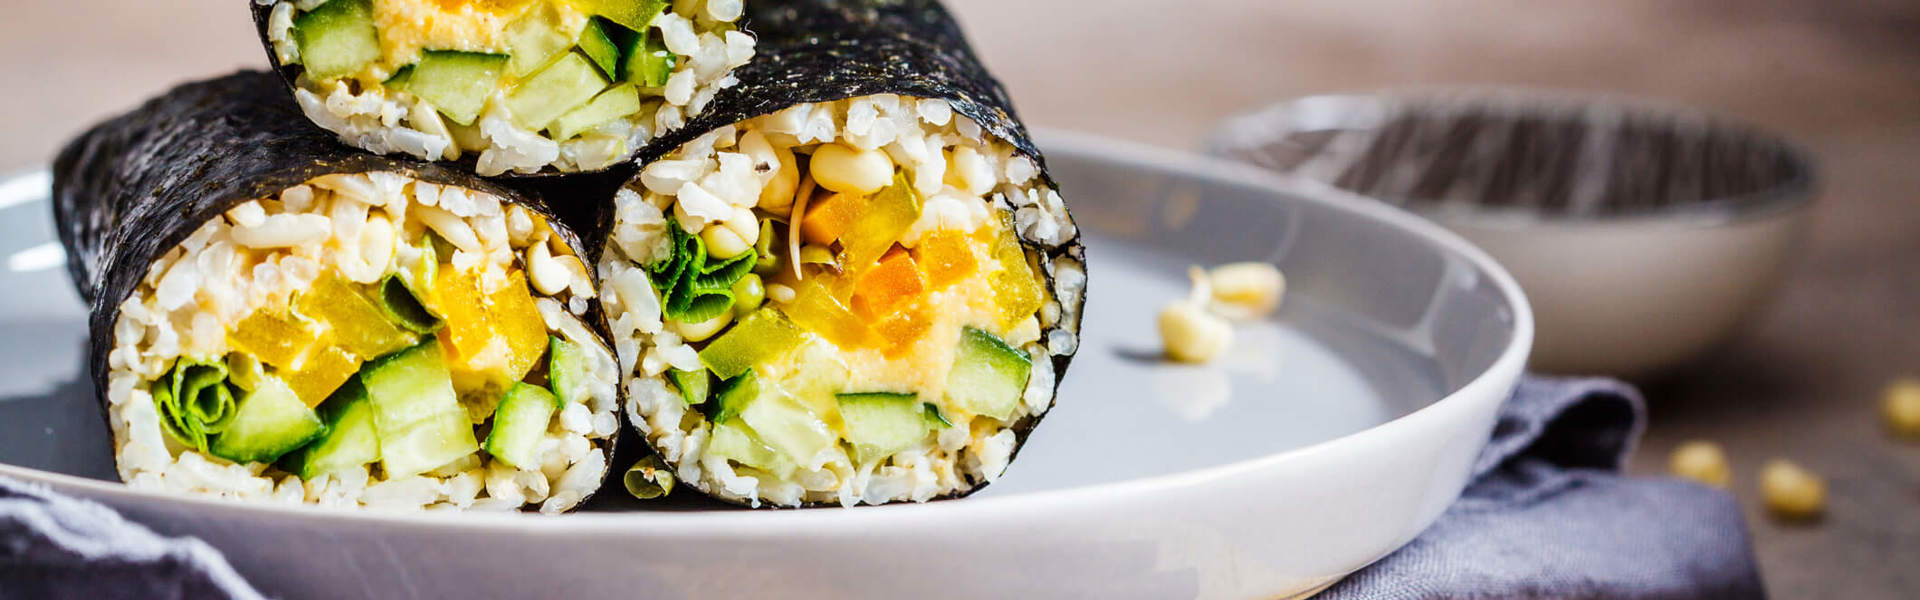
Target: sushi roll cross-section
818, 313
296, 321
518, 86
851, 281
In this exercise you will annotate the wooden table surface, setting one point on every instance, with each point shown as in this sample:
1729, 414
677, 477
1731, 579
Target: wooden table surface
1842, 77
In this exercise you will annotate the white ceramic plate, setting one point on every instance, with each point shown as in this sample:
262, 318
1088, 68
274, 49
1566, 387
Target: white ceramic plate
1334, 433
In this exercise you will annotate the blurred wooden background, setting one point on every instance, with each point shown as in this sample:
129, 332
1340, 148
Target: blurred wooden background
1841, 76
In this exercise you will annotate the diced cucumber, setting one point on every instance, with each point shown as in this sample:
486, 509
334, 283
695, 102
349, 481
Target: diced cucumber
598, 46
762, 336
402, 307
934, 417
693, 385
398, 80
457, 83
647, 63
569, 82
881, 423
988, 376
419, 419
351, 439
739, 443
566, 370
734, 396
618, 101
635, 15
535, 40
336, 39
788, 428
519, 423
270, 421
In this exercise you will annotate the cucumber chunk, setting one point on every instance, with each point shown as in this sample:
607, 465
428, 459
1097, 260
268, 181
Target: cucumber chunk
788, 428
598, 45
569, 82
535, 40
739, 443
270, 421
457, 83
934, 417
881, 423
419, 419
350, 441
988, 376
734, 396
336, 39
519, 423
693, 385
648, 63
398, 80
618, 101
566, 370
404, 309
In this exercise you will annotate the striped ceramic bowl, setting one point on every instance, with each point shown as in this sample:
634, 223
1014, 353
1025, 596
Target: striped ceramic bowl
1644, 234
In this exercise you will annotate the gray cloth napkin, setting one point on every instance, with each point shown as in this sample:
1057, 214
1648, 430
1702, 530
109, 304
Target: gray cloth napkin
1548, 515
52, 546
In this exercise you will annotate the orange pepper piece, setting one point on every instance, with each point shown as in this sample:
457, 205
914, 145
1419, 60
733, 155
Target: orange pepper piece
814, 308
889, 285
947, 258
323, 373
830, 217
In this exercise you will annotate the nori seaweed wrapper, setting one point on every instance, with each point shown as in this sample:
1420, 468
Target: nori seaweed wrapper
813, 51
131, 189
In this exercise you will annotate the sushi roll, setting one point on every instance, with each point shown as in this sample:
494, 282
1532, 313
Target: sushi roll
851, 280
515, 86
276, 316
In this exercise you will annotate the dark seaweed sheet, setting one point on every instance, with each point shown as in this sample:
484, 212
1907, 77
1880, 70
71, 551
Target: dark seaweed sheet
826, 50
130, 189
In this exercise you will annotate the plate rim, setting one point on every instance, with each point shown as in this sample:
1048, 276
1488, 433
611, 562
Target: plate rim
756, 523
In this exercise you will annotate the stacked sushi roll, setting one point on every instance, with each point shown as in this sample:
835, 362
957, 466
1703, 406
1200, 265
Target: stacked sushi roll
823, 266
517, 86
854, 283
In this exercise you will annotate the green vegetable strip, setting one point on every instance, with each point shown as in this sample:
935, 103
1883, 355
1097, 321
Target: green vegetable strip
174, 419
696, 288
195, 400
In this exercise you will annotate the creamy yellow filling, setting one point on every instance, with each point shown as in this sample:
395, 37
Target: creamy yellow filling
820, 368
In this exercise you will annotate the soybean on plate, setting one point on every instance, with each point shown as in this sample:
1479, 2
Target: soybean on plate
1330, 436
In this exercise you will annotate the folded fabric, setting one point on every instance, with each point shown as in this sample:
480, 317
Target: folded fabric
1548, 515
52, 546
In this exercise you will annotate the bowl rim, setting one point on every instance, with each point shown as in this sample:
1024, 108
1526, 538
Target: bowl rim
743, 523
1786, 197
